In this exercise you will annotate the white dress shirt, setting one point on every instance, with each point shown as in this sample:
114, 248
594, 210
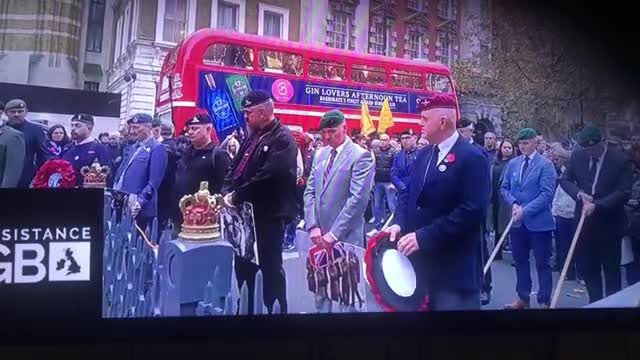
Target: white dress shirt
446, 145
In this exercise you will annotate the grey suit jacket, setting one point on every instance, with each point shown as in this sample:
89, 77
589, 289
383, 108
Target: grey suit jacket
338, 205
12, 148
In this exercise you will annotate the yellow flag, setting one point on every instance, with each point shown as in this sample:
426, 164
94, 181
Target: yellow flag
366, 124
386, 119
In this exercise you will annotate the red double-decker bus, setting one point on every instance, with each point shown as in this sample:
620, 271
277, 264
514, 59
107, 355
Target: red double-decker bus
213, 70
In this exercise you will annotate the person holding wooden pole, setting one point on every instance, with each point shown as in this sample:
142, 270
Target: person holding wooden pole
599, 179
528, 187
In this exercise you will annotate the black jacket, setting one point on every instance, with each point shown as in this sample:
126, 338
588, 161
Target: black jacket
36, 153
613, 186
269, 180
384, 163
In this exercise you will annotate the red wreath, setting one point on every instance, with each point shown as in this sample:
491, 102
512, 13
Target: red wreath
51, 167
374, 287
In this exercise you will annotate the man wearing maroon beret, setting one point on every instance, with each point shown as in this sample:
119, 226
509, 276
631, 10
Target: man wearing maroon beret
438, 217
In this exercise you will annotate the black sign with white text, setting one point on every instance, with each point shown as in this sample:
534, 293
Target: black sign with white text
51, 243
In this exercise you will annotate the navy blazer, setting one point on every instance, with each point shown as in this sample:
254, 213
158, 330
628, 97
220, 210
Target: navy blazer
446, 214
144, 175
401, 171
534, 194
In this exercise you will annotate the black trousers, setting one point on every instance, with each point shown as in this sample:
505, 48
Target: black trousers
269, 237
599, 251
486, 280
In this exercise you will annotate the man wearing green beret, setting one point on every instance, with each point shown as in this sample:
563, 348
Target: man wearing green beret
599, 178
338, 190
528, 187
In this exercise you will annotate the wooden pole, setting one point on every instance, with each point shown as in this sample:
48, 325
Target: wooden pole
497, 248
565, 268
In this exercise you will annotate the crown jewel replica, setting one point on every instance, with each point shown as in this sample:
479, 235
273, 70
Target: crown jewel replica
95, 176
201, 214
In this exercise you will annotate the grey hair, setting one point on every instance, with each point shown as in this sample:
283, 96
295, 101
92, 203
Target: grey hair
556, 149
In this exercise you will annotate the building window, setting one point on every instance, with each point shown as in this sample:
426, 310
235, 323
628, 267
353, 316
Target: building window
95, 25
445, 47
92, 86
175, 20
377, 39
228, 16
445, 9
126, 29
203, 14
116, 53
414, 46
147, 20
273, 21
338, 30
414, 5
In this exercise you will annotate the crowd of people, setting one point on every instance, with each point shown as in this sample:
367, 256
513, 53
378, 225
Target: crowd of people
439, 193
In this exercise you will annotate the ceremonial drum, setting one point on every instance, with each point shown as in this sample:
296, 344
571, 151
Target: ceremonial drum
393, 278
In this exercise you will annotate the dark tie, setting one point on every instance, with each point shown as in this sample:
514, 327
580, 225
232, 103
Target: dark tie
524, 169
433, 162
334, 152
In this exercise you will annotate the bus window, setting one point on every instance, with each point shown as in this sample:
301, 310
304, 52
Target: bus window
327, 69
364, 74
229, 55
280, 62
406, 79
438, 83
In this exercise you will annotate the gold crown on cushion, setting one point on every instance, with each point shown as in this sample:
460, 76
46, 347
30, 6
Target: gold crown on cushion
201, 214
95, 176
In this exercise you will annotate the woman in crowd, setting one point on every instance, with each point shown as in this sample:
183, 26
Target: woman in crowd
58, 141
501, 212
232, 147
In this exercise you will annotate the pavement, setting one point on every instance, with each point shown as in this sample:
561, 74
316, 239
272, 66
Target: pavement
573, 295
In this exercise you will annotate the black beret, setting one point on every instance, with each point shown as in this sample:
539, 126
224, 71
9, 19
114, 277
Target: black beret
1, 106
84, 118
589, 136
140, 118
156, 122
331, 119
255, 97
464, 123
199, 119
407, 132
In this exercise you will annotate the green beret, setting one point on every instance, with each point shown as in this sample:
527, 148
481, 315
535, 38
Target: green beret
332, 119
526, 134
589, 136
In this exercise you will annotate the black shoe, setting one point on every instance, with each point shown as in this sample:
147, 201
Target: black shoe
485, 298
288, 246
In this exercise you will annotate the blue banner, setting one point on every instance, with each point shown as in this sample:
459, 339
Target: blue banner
220, 93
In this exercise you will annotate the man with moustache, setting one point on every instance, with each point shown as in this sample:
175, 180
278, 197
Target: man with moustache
85, 150
441, 210
599, 179
264, 174
11, 154
142, 171
338, 190
36, 153
201, 161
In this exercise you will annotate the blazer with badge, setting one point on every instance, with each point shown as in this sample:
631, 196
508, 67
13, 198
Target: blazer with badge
446, 211
613, 187
143, 174
338, 205
12, 152
269, 180
534, 194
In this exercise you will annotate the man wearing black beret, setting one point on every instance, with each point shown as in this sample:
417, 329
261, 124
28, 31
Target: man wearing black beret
599, 179
85, 149
264, 174
201, 161
11, 154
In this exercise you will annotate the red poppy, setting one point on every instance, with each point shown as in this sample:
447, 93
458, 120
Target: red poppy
451, 158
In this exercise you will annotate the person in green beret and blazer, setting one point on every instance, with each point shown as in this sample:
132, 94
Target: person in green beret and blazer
12, 150
599, 178
528, 186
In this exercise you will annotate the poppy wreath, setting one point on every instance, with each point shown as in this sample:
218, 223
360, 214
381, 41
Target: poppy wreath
368, 260
63, 168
